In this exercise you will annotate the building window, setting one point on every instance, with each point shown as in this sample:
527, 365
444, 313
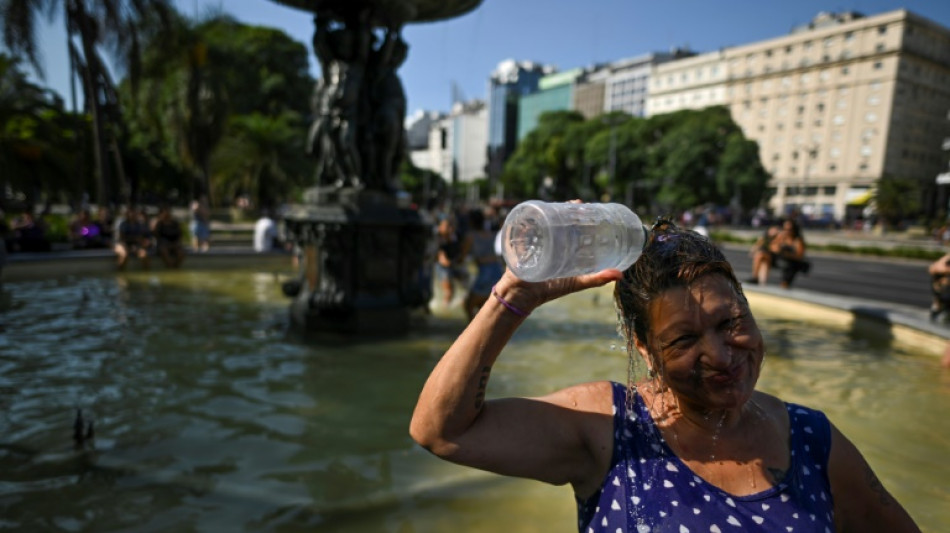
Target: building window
832, 167
838, 120
834, 152
879, 47
870, 117
829, 190
878, 65
882, 29
848, 36
866, 150
844, 71
874, 100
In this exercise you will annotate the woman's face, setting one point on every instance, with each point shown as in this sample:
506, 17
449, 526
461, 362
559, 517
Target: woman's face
707, 343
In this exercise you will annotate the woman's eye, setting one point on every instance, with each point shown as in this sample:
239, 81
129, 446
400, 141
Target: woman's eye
682, 340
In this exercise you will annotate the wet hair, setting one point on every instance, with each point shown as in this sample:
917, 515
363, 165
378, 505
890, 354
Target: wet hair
673, 257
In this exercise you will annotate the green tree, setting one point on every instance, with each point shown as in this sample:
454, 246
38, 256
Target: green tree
425, 186
184, 106
91, 22
740, 174
619, 152
543, 154
209, 86
896, 199
39, 141
685, 158
665, 163
262, 156
579, 162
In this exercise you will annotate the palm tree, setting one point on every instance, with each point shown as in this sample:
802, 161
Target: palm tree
186, 101
262, 156
92, 23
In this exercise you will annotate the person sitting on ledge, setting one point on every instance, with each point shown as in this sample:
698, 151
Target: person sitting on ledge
790, 252
133, 238
167, 232
690, 446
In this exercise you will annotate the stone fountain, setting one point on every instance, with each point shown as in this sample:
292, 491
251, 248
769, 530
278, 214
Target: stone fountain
363, 256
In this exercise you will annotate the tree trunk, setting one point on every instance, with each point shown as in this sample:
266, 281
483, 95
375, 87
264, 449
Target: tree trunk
82, 21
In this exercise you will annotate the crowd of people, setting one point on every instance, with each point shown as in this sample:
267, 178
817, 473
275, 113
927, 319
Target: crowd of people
467, 250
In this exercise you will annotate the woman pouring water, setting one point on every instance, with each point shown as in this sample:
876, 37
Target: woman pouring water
691, 446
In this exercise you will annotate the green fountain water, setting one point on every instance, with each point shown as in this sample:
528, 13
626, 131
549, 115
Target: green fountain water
209, 416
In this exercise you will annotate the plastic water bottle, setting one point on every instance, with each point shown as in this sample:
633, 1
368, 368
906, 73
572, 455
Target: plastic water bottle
542, 240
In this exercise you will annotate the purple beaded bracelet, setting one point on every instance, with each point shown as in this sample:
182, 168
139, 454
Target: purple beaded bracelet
510, 307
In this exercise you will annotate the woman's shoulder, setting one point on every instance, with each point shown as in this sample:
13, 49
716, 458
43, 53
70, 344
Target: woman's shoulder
593, 396
772, 405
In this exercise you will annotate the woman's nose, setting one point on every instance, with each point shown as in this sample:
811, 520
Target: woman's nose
716, 351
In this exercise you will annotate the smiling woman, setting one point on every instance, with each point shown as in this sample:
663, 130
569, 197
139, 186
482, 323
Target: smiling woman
693, 447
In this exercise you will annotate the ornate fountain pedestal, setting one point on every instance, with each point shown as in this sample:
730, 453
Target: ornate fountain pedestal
364, 259
363, 263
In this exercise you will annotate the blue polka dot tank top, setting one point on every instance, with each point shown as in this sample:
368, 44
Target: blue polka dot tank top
650, 490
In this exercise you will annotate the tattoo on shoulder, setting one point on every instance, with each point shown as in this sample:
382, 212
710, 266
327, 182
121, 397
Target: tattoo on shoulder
777, 474
482, 384
884, 498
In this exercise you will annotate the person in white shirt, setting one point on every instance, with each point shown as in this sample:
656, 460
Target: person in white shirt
265, 233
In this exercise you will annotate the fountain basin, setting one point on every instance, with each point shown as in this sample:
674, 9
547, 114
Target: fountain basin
209, 415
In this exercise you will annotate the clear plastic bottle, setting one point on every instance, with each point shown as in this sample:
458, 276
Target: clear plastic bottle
542, 240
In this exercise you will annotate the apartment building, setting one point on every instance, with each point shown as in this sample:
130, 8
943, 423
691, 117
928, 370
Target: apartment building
589, 89
841, 102
507, 84
555, 93
834, 105
456, 143
691, 83
627, 86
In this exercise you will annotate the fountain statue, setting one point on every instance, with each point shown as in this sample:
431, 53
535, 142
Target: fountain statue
362, 254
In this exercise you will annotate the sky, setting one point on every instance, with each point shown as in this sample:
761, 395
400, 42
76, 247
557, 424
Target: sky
463, 51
